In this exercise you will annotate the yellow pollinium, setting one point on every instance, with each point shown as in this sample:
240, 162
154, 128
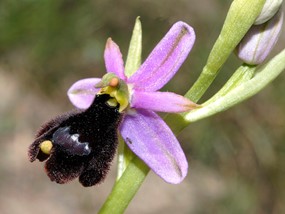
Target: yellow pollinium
46, 146
116, 88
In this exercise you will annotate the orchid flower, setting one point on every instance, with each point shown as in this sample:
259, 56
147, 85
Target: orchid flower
145, 133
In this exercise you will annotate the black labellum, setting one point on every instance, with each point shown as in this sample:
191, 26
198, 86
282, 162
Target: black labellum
84, 143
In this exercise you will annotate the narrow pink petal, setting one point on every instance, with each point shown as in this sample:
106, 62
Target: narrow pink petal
165, 59
151, 139
161, 101
113, 59
82, 92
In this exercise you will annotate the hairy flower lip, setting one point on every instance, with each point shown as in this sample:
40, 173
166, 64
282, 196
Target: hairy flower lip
83, 143
151, 138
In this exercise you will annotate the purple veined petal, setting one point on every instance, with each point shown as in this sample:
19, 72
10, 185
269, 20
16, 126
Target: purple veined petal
165, 59
148, 136
113, 59
82, 93
161, 101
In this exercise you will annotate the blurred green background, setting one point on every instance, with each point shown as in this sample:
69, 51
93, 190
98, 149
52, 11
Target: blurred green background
236, 158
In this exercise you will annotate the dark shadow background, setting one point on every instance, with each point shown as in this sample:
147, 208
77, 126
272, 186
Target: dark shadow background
236, 158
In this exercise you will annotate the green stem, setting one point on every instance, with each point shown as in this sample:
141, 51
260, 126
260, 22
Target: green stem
126, 187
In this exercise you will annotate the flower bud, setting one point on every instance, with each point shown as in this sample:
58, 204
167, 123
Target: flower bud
269, 9
259, 40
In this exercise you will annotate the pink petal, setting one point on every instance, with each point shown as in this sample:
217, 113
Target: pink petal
148, 136
161, 101
113, 59
82, 92
165, 59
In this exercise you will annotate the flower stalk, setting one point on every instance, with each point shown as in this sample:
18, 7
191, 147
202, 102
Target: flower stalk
126, 187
